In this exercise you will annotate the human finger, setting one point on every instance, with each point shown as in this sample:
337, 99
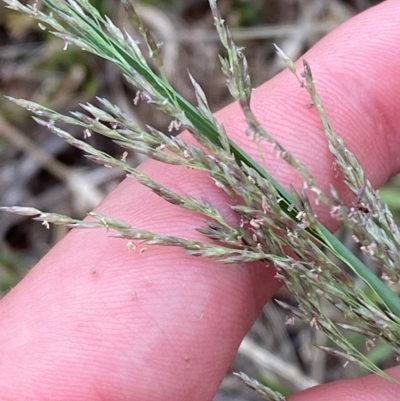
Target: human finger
93, 321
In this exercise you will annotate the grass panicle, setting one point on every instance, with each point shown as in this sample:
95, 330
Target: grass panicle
276, 227
265, 392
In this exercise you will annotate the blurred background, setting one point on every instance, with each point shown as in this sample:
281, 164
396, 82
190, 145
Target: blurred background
38, 169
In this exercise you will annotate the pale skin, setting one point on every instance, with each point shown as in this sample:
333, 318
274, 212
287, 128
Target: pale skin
93, 321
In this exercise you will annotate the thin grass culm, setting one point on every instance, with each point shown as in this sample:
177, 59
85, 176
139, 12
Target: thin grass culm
273, 220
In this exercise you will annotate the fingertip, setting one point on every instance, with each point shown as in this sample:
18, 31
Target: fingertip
366, 388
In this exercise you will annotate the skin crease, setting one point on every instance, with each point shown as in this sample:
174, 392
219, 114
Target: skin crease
93, 321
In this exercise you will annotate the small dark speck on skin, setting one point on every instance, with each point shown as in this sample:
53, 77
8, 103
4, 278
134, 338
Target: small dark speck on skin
130, 246
188, 361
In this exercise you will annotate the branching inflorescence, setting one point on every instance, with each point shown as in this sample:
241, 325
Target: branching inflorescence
273, 220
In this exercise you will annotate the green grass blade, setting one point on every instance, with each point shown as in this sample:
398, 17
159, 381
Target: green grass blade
107, 47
